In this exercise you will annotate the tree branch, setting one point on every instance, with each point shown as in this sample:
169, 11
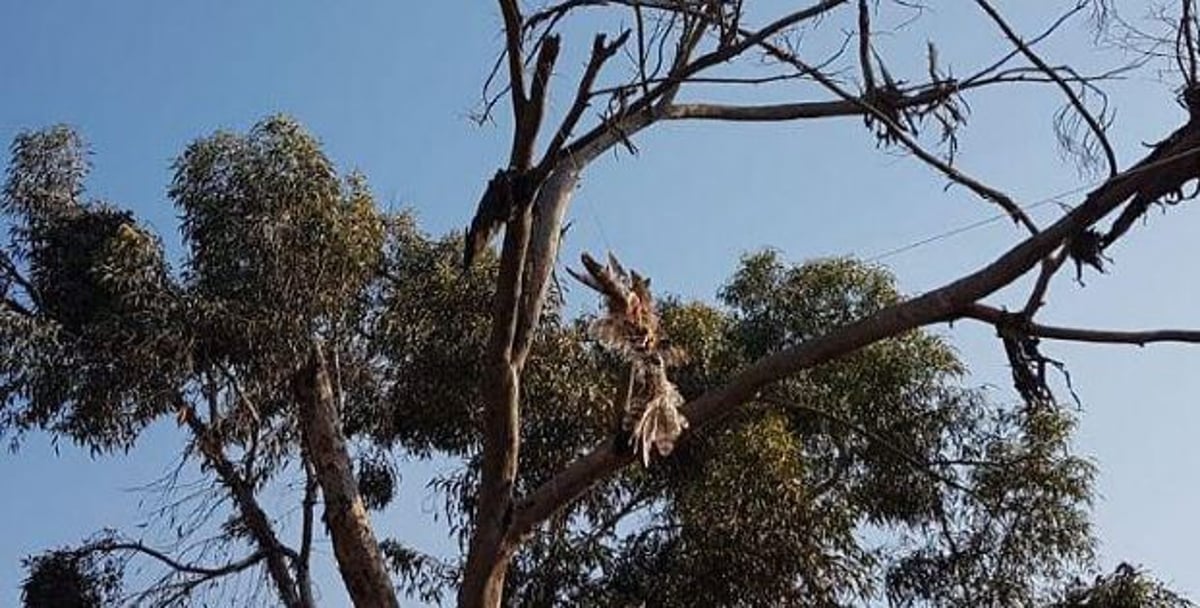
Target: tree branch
1002, 320
601, 53
354, 544
643, 111
529, 122
514, 50
1050, 266
308, 505
252, 514
1093, 124
939, 305
864, 46
896, 132
113, 546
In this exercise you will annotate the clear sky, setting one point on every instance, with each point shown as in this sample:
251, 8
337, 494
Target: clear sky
388, 86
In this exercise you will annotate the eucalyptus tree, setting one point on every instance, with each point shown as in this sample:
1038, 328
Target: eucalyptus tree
834, 454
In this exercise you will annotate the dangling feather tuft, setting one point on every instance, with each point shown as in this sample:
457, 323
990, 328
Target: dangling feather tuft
630, 328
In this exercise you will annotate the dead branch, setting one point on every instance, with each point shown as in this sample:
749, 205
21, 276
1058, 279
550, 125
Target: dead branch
252, 514
602, 51
896, 132
1093, 123
998, 318
207, 572
951, 301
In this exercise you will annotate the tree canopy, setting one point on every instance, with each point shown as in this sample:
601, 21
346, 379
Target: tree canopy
307, 343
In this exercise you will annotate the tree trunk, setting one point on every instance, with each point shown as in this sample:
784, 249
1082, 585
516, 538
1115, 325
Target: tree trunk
354, 544
483, 583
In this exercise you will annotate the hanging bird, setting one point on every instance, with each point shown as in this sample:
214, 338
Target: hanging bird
631, 328
653, 419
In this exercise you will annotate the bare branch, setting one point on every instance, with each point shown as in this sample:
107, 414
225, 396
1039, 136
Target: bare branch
1050, 266
243, 495
797, 110
648, 107
1076, 102
999, 318
1185, 43
514, 50
303, 559
896, 132
601, 53
529, 123
942, 304
864, 46
208, 572
1053, 27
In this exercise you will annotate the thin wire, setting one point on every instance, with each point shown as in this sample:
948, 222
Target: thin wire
1045, 201
969, 227
597, 223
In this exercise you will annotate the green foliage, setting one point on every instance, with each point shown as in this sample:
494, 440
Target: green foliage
45, 176
281, 252
875, 476
429, 329
377, 480
1125, 587
96, 357
879, 476
280, 246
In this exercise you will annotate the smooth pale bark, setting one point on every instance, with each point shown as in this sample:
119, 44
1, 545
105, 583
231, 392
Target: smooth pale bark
527, 260
354, 544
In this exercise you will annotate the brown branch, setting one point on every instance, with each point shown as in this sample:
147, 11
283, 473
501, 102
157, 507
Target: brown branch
642, 56
555, 12
1029, 44
939, 305
794, 111
601, 53
897, 132
487, 557
1184, 35
354, 544
1093, 124
529, 122
923, 95
1050, 266
516, 60
648, 107
864, 46
252, 515
1002, 320
308, 505
113, 546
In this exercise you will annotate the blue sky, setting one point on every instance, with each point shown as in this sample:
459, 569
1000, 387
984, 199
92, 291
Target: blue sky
388, 87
